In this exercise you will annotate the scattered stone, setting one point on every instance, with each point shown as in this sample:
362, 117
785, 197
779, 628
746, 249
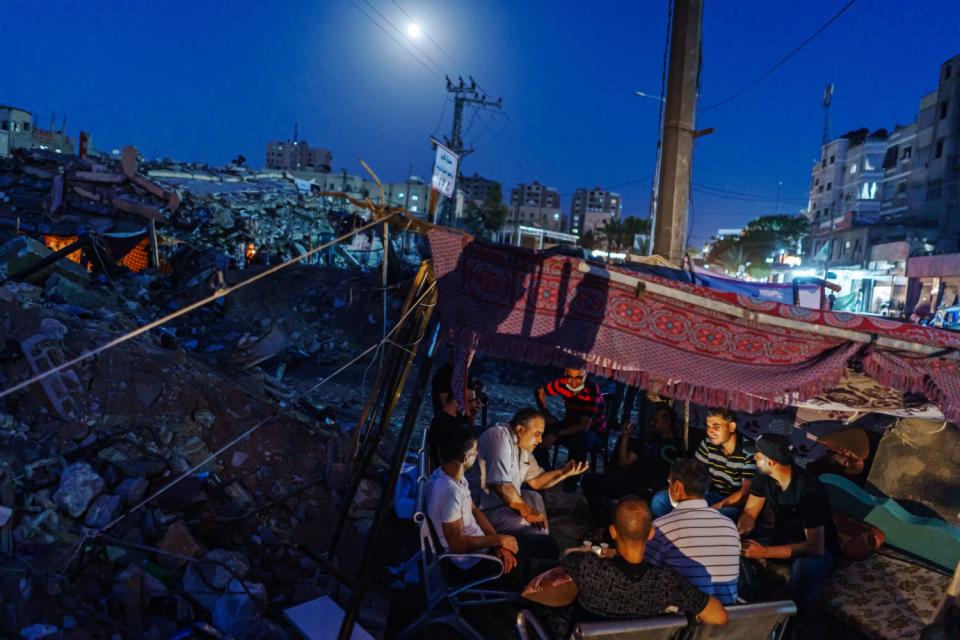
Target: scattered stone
79, 484
239, 457
151, 587
132, 490
220, 566
5, 514
238, 608
103, 510
177, 540
39, 631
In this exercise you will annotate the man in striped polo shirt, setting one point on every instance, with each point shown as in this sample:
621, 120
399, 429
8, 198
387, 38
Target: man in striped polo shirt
729, 456
584, 416
698, 542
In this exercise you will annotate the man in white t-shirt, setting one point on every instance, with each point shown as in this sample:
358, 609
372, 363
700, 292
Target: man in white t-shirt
459, 524
506, 464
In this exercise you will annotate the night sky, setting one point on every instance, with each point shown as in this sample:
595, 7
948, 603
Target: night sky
206, 80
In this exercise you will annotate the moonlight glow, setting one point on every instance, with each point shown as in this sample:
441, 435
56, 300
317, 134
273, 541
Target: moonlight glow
413, 30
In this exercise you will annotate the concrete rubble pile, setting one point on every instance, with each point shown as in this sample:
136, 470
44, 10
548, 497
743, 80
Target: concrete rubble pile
95, 542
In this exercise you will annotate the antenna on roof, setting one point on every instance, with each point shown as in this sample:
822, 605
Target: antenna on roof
295, 131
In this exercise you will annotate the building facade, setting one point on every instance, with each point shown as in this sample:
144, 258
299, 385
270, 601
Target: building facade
878, 198
591, 208
475, 188
535, 205
297, 155
17, 131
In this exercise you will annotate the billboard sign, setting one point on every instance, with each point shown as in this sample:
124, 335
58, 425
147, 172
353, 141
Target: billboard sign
445, 171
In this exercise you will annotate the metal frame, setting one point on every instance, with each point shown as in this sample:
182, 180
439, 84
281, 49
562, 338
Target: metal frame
444, 601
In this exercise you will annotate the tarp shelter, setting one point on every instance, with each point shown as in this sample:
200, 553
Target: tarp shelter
680, 340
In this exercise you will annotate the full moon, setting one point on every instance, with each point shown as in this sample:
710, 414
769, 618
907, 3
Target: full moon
413, 30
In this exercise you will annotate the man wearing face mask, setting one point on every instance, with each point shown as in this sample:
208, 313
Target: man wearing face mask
584, 416
505, 464
803, 531
460, 526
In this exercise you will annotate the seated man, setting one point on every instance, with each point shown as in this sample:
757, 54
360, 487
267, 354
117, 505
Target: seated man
698, 542
505, 464
730, 460
584, 416
460, 526
448, 417
638, 468
803, 531
622, 585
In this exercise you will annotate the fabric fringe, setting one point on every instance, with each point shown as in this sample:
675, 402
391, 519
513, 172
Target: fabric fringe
903, 374
519, 349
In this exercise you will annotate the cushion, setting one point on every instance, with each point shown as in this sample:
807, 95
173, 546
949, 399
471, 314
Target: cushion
553, 588
857, 539
885, 597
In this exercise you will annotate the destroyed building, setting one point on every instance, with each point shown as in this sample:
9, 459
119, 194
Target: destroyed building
174, 481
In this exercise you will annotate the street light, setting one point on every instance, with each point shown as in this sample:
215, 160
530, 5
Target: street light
647, 95
655, 185
413, 30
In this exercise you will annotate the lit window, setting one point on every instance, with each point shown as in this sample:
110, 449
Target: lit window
414, 197
413, 208
399, 195
853, 168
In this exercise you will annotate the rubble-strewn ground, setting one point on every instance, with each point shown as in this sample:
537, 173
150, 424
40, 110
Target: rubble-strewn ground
118, 519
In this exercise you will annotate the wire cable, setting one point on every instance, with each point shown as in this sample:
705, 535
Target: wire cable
276, 414
398, 42
403, 35
782, 60
220, 293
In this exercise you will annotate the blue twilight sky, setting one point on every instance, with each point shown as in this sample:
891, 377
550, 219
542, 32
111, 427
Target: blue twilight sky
205, 80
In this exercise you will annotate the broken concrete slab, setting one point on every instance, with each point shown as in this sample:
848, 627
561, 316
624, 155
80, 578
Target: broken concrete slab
21, 253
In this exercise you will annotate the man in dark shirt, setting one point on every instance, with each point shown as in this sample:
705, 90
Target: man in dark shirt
448, 418
803, 531
584, 416
622, 585
639, 467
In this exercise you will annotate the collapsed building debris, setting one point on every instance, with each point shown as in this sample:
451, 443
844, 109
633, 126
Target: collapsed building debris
138, 495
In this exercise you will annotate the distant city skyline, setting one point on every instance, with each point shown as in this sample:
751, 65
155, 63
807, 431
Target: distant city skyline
196, 83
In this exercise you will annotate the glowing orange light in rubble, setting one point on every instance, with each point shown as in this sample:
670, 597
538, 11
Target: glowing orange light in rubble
250, 252
55, 243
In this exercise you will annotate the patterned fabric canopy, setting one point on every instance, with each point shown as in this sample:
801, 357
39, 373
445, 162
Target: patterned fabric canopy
514, 303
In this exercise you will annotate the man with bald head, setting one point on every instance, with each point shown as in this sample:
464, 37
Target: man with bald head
622, 585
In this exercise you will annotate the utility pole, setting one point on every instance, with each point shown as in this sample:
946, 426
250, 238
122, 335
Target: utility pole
676, 162
827, 100
463, 94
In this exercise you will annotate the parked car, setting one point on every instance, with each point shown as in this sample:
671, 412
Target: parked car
947, 318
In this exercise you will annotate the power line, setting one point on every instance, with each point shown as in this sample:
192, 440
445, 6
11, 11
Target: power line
403, 35
443, 111
432, 41
398, 42
782, 60
758, 196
